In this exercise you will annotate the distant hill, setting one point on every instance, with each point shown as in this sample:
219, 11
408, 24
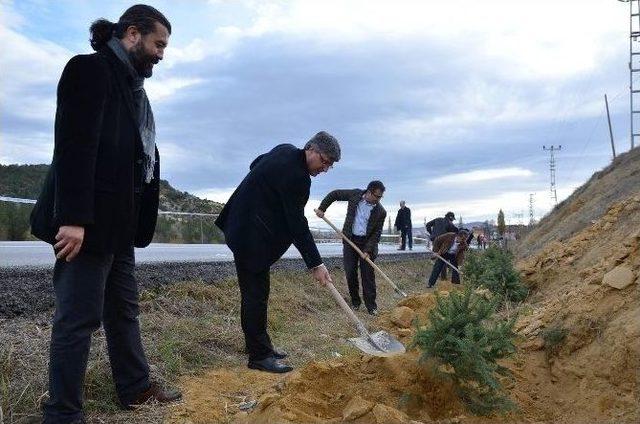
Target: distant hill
25, 181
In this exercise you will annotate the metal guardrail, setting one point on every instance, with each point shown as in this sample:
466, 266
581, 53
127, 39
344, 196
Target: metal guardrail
323, 231
17, 200
187, 213
32, 202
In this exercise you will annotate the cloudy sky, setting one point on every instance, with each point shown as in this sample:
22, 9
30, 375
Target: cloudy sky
448, 103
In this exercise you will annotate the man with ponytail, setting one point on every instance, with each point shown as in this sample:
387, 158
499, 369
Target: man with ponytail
99, 200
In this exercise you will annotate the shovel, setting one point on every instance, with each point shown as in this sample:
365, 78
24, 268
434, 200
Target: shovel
387, 279
376, 344
448, 263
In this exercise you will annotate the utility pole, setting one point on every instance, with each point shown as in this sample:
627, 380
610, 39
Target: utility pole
531, 216
552, 171
613, 146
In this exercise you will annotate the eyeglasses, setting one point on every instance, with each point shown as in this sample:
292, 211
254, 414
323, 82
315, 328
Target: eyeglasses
377, 196
325, 162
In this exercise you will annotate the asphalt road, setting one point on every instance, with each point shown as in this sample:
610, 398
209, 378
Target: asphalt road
39, 254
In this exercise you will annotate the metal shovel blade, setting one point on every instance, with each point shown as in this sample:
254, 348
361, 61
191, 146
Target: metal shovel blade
379, 344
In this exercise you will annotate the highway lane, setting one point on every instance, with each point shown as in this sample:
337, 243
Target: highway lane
40, 254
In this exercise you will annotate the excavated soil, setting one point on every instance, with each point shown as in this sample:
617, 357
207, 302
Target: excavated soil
356, 388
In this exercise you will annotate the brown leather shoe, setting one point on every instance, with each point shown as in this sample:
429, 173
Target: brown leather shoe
155, 393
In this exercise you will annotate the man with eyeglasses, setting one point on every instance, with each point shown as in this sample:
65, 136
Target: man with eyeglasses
263, 217
363, 225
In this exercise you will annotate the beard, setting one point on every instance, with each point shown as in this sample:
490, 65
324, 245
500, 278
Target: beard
142, 60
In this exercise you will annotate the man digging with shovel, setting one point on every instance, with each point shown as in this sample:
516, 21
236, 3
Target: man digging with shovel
363, 226
263, 217
451, 247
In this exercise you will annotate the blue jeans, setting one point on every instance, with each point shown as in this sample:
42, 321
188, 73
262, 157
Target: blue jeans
94, 288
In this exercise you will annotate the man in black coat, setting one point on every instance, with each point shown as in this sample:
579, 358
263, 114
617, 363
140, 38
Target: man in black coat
261, 220
99, 200
438, 226
403, 224
363, 226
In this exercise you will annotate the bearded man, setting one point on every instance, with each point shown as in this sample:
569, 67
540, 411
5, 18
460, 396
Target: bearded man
99, 200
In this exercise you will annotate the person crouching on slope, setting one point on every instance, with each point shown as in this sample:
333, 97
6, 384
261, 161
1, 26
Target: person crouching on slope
451, 246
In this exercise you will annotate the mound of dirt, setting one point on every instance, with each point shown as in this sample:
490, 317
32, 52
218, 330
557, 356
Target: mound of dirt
361, 389
353, 388
582, 331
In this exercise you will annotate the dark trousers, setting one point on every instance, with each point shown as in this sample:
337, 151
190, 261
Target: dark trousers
351, 261
254, 298
406, 236
438, 267
91, 289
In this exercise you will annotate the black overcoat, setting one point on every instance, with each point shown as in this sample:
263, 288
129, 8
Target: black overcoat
97, 161
265, 214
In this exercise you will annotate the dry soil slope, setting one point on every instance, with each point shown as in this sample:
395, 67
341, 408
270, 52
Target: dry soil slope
587, 286
614, 183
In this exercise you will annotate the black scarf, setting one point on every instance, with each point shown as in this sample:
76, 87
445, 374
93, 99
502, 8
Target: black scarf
146, 123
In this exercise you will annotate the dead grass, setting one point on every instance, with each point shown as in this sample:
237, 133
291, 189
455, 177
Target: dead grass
188, 327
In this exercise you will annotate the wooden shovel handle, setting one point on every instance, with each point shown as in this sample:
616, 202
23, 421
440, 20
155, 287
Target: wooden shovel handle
366, 258
347, 310
447, 262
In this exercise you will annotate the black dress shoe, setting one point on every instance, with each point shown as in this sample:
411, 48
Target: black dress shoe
269, 364
279, 354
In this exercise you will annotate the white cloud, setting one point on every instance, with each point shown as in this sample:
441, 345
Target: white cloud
513, 203
481, 175
220, 195
30, 71
192, 52
36, 147
335, 213
547, 39
159, 89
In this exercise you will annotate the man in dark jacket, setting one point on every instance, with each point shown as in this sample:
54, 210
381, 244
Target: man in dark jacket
451, 246
362, 225
263, 217
438, 226
403, 224
99, 199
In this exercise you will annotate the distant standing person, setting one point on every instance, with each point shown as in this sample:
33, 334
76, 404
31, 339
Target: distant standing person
403, 224
261, 220
482, 241
363, 226
99, 200
438, 226
451, 246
